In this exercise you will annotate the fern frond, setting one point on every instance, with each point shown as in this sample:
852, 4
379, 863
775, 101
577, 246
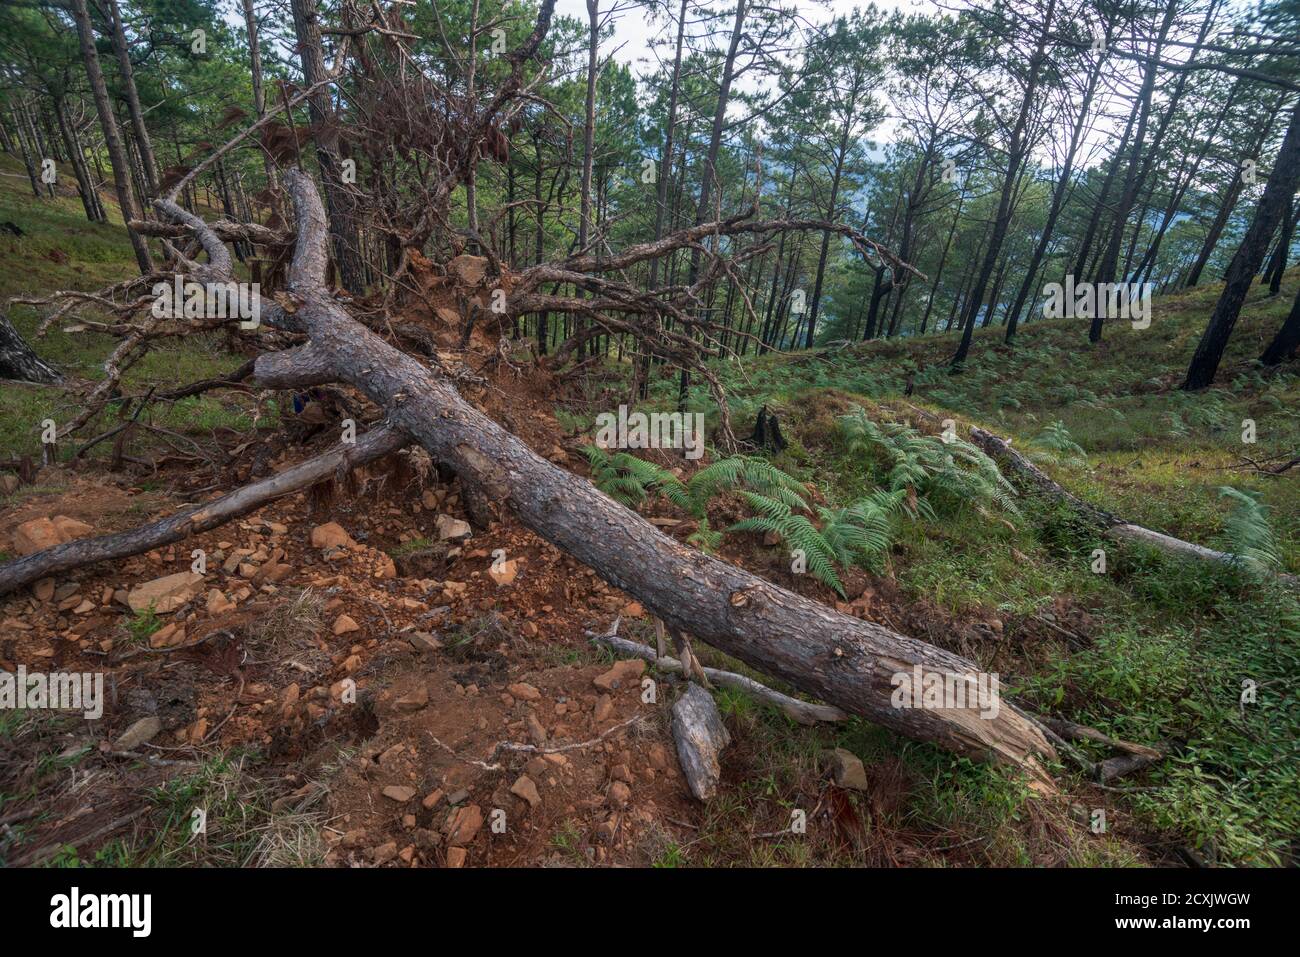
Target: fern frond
1248, 532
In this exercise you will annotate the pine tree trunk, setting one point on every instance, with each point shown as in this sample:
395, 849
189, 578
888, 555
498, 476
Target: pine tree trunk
1284, 344
1245, 264
18, 360
1018, 148
126, 74
306, 22
112, 139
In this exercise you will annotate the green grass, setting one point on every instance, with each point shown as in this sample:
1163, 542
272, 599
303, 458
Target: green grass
142, 625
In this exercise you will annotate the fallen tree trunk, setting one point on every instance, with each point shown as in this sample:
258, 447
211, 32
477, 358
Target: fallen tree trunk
1112, 526
373, 445
848, 663
841, 660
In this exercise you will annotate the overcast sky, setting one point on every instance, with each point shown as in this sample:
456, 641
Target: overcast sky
633, 30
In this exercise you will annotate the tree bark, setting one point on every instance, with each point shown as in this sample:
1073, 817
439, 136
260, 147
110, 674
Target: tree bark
306, 22
18, 360
1112, 526
1016, 152
89, 199
1245, 264
1058, 196
28, 150
702, 211
112, 139
1284, 344
149, 165
259, 92
373, 445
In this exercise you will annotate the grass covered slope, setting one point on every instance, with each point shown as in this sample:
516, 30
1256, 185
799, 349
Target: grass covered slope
60, 249
1153, 649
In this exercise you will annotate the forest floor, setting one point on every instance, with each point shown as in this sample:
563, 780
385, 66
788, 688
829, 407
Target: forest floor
247, 677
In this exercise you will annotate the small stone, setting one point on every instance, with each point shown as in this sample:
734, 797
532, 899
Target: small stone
524, 691
535, 730
344, 624
622, 671
423, 641
43, 590
165, 594
398, 793
456, 856
526, 789
606, 831
604, 707
504, 573
218, 603
619, 794
330, 535
414, 700
42, 533
658, 756
451, 529
167, 635
463, 824
141, 732
383, 853
846, 768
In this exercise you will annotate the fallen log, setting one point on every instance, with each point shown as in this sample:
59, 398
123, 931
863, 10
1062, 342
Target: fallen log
1112, 526
373, 445
700, 737
841, 660
851, 664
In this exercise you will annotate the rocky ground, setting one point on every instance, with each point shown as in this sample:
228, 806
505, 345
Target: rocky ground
465, 682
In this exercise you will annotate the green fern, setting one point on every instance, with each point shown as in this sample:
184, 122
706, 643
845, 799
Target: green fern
624, 477
796, 531
1248, 533
738, 471
938, 475
705, 538
1055, 444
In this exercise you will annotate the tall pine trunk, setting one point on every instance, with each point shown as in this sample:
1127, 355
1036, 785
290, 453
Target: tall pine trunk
112, 138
